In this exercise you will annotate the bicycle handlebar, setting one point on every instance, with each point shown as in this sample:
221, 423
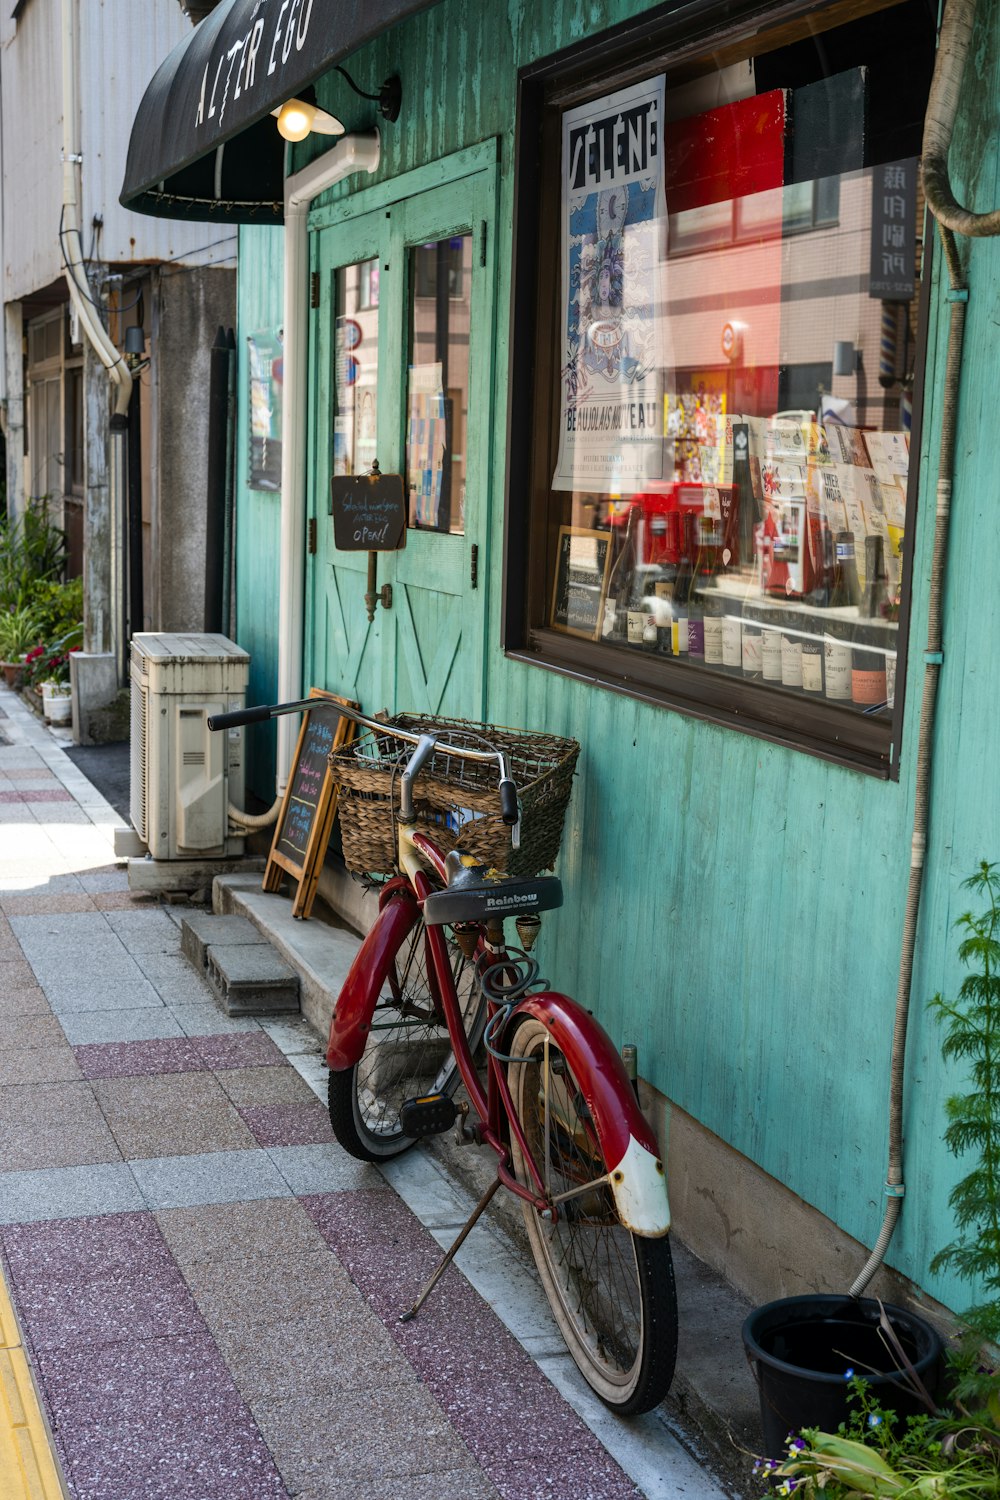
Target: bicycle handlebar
425, 742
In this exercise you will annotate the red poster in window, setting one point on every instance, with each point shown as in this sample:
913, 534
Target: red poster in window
725, 153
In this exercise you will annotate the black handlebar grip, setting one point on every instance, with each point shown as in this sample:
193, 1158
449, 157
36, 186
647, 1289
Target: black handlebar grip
508, 801
240, 716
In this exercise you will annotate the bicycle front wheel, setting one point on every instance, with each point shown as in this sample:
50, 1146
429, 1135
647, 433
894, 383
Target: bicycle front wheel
612, 1292
408, 1052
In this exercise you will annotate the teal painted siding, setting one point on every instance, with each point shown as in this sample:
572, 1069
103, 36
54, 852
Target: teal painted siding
735, 908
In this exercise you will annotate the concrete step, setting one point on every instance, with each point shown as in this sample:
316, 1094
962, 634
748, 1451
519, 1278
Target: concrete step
252, 980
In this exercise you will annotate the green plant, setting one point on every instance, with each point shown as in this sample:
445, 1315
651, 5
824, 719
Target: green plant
19, 630
57, 606
953, 1453
930, 1457
31, 549
973, 1036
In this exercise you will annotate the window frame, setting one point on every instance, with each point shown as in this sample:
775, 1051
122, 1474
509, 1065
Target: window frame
639, 49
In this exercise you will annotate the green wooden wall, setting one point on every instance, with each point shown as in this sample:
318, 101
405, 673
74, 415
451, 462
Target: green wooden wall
734, 908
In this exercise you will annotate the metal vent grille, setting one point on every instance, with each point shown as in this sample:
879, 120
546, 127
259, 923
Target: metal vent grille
137, 768
194, 757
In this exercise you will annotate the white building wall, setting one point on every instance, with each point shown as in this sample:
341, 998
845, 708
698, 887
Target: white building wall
121, 45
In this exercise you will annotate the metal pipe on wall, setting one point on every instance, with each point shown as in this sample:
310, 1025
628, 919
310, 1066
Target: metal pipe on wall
353, 153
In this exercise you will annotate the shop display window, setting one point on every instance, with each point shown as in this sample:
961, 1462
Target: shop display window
726, 349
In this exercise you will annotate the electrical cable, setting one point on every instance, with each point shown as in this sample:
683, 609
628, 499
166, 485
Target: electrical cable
952, 219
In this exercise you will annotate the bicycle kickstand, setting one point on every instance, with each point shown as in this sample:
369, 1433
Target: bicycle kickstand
449, 1255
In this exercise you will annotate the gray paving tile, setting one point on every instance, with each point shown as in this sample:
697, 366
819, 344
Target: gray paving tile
272, 1292
67, 1193
323, 1169
40, 935
92, 992
236, 1232
99, 881
173, 978
173, 1114
220, 1177
310, 1435
73, 1144
328, 1351
152, 1023
208, 1019
146, 931
293, 1037
29, 1031
51, 1063
469, 1483
281, 1085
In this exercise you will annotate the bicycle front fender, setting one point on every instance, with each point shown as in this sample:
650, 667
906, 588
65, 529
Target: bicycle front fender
638, 1179
356, 1002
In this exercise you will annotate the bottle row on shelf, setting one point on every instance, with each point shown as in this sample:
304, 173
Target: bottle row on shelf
838, 643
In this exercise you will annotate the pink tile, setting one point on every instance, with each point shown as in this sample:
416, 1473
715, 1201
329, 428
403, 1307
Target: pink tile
176, 1054
287, 1124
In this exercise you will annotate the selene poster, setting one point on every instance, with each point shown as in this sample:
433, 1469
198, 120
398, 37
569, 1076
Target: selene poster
613, 209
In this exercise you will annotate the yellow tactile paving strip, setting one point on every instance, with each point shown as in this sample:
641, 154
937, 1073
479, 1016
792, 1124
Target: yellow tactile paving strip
27, 1466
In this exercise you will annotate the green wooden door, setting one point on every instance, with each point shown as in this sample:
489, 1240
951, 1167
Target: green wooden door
401, 371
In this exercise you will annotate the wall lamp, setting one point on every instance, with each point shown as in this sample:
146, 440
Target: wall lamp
297, 118
389, 97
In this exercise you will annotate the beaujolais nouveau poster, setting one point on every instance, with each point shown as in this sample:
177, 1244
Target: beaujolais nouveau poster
613, 239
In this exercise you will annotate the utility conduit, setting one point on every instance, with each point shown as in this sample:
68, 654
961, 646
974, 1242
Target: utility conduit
353, 153
952, 219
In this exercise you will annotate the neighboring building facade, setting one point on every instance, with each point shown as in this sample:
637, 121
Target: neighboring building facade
166, 280
643, 306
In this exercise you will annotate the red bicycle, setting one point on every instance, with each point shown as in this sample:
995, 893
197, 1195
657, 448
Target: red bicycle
433, 986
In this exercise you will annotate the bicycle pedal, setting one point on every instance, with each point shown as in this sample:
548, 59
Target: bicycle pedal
431, 1114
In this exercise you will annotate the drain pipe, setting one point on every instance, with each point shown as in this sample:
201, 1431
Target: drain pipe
96, 334
353, 153
952, 219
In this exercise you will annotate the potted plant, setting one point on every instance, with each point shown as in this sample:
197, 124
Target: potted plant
952, 1451
18, 633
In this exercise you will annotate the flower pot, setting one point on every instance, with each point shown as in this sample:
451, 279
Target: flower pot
59, 707
13, 672
801, 1350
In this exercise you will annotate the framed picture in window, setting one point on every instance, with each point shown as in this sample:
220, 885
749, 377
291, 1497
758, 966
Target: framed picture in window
580, 583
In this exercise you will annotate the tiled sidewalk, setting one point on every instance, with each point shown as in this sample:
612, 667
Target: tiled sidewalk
208, 1286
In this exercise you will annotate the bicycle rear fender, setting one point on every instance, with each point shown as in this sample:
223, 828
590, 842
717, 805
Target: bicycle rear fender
638, 1179
356, 1002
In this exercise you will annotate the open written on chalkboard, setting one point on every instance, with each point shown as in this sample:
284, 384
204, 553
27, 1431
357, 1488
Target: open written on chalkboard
581, 581
369, 512
302, 832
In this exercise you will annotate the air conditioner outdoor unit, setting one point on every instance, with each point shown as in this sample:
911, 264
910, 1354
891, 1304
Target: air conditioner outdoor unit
183, 776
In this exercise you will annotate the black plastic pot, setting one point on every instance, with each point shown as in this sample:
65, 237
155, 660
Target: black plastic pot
801, 1349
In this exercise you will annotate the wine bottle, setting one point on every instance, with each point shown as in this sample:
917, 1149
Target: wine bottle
770, 654
846, 588
751, 649
621, 582
791, 661
745, 499
875, 600
712, 628
837, 663
732, 638
682, 589
812, 666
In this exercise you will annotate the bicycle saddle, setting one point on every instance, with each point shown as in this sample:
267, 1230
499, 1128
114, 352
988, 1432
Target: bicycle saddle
471, 896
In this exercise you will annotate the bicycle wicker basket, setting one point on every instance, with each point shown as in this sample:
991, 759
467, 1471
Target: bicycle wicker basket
455, 800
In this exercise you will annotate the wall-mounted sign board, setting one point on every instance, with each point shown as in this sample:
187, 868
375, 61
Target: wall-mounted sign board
581, 581
302, 832
369, 512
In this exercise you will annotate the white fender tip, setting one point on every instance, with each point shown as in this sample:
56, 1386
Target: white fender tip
639, 1184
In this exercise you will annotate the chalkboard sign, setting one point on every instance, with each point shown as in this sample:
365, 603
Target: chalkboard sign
581, 581
369, 512
302, 832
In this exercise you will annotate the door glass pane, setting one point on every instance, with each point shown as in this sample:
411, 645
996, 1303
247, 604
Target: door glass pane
355, 346
437, 405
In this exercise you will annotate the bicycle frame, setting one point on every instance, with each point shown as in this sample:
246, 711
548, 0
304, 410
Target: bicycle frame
636, 1176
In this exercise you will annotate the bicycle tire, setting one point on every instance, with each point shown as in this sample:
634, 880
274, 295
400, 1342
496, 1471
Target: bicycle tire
407, 1053
612, 1292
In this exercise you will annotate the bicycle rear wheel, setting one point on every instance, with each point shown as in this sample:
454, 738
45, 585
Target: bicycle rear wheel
612, 1292
408, 1052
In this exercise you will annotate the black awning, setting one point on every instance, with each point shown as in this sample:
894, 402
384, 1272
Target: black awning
203, 145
